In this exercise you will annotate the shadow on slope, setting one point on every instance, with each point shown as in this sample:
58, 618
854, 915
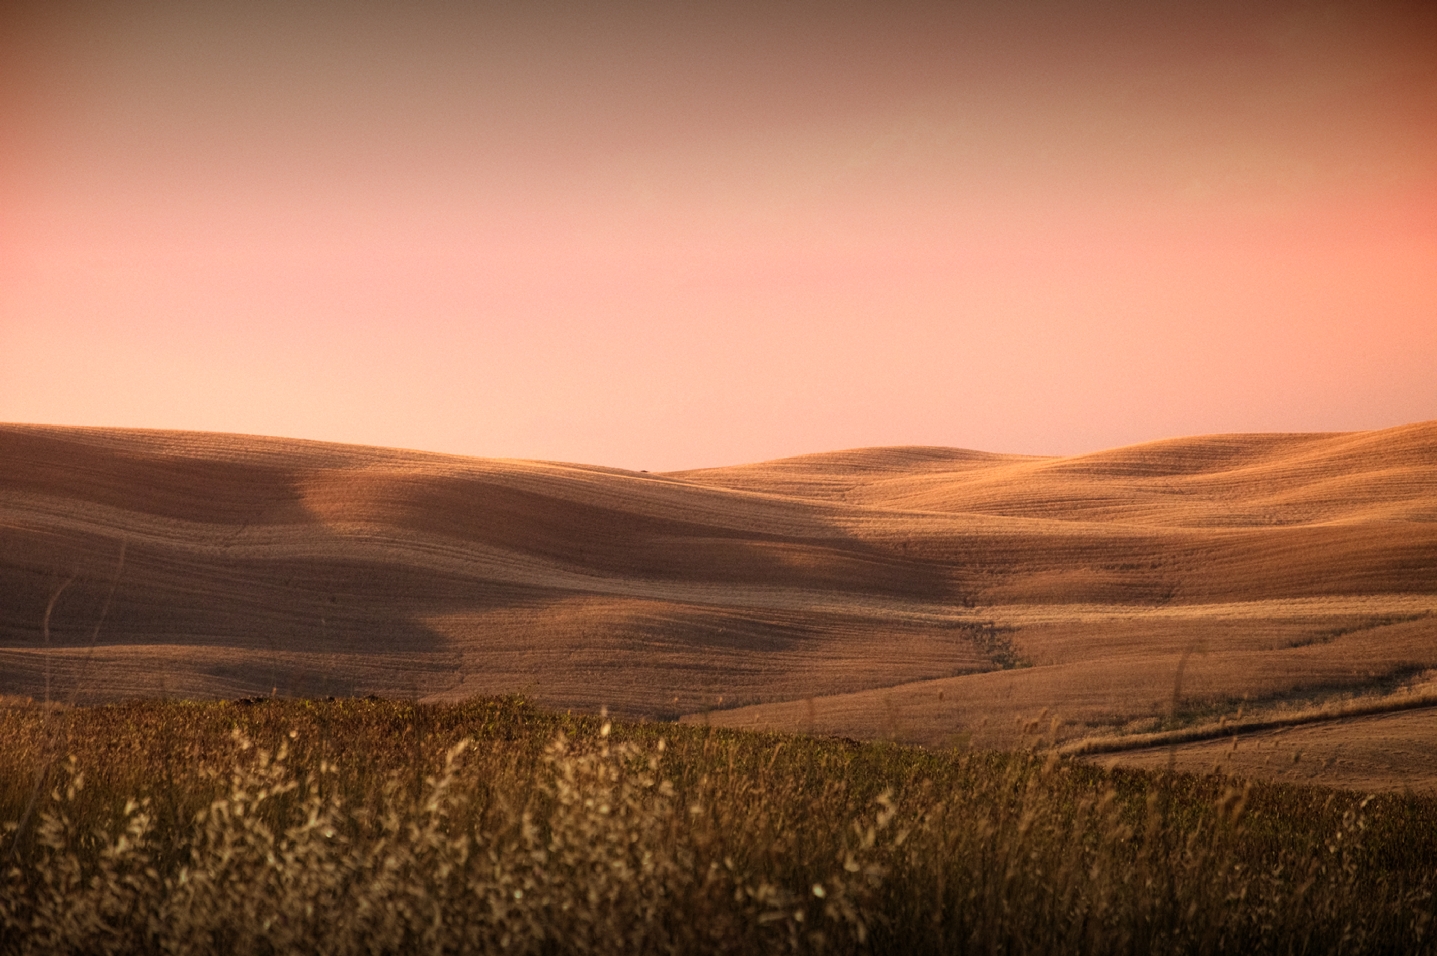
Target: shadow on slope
252, 564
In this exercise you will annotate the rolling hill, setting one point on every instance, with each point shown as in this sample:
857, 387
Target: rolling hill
927, 594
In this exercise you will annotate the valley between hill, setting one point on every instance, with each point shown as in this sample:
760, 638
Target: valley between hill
930, 595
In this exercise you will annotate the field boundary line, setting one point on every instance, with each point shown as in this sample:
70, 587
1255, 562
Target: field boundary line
1101, 745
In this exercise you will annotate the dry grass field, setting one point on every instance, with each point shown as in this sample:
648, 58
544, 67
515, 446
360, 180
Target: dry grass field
928, 595
491, 826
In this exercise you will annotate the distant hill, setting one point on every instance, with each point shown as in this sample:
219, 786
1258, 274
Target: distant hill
929, 594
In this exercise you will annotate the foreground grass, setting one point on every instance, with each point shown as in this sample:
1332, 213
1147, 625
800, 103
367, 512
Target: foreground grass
491, 826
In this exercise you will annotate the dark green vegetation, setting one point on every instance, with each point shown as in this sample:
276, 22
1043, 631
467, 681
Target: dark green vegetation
376, 826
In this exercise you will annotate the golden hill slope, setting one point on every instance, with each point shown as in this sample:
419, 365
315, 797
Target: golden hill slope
1224, 480
842, 592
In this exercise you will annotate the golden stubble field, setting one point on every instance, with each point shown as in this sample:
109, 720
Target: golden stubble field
1154, 598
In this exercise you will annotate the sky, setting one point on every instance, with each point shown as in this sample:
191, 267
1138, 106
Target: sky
680, 234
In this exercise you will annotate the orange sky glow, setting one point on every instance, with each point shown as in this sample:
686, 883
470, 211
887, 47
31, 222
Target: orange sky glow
674, 235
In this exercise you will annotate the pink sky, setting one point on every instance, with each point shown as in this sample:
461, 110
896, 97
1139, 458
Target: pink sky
670, 235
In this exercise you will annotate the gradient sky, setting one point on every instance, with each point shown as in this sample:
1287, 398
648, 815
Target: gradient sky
680, 234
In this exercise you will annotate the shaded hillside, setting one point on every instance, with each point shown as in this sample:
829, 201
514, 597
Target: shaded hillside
252, 564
